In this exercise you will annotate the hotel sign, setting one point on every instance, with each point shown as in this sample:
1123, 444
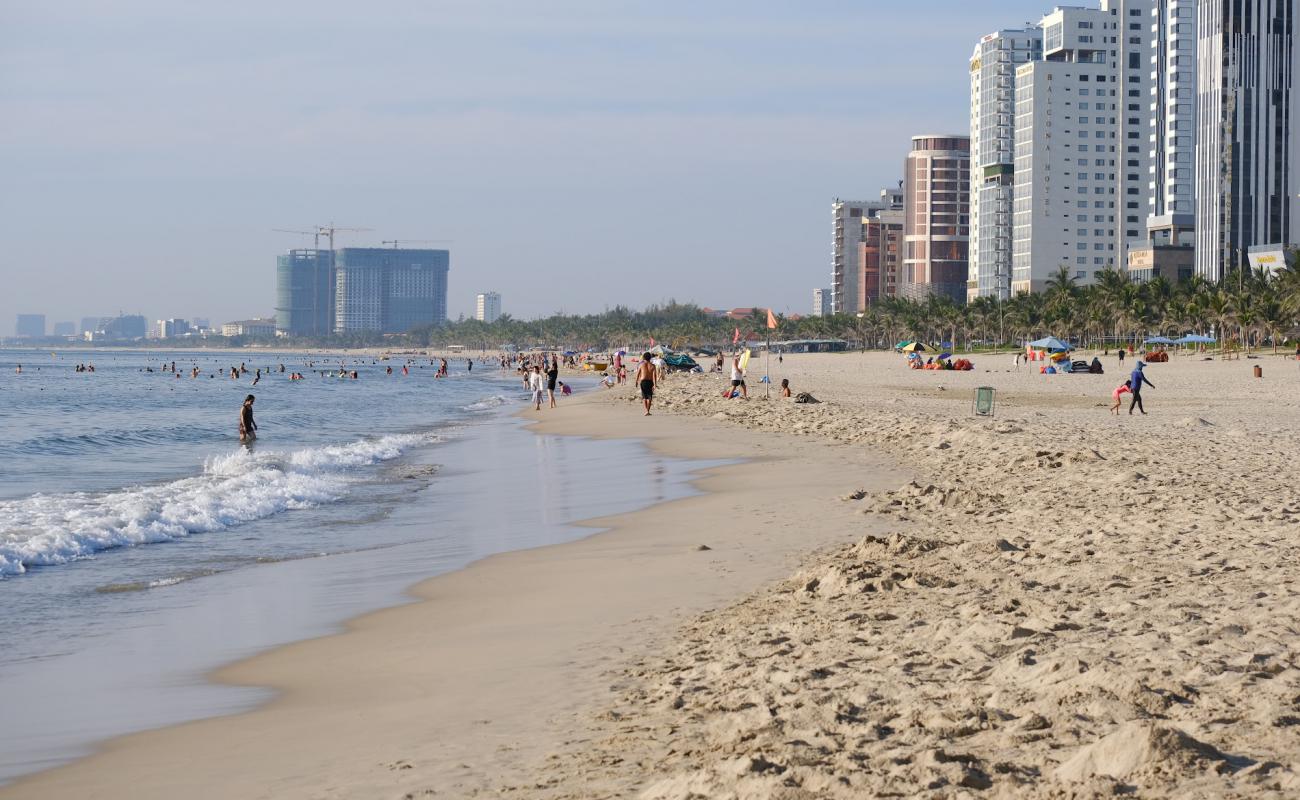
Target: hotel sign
1141, 258
1267, 257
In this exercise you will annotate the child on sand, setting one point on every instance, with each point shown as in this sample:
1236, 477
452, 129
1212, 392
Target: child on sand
1117, 394
785, 387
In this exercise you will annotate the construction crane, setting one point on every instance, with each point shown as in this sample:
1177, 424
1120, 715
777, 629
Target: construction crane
330, 229
397, 242
313, 233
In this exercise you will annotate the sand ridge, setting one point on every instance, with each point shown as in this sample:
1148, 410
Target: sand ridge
1069, 604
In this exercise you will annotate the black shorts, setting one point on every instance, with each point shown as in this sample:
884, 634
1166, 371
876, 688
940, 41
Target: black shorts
647, 389
734, 384
550, 384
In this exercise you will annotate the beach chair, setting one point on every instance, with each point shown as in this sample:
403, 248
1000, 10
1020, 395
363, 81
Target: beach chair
984, 402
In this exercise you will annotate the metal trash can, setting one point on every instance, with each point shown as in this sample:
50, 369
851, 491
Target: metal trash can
1259, 371
984, 401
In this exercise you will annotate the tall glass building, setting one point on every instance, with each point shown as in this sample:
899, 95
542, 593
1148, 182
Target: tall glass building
1247, 159
389, 290
304, 293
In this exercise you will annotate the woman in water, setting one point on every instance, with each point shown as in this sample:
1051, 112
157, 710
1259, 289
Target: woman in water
247, 427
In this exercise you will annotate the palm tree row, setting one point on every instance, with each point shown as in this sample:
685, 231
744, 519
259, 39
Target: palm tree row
1248, 309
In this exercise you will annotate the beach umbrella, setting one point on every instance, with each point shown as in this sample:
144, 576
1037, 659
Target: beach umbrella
913, 347
1159, 340
1196, 338
902, 344
1050, 343
946, 355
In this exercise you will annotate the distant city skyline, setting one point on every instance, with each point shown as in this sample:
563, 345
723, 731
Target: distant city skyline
151, 150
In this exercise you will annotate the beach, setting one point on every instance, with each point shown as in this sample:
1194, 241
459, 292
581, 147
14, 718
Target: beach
877, 594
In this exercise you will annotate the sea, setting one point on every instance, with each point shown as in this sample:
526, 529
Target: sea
142, 546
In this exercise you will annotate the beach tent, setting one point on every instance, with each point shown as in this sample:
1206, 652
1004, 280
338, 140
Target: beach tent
1159, 340
1050, 343
913, 347
902, 344
1196, 338
680, 361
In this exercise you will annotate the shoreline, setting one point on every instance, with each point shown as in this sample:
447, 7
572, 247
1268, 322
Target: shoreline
416, 719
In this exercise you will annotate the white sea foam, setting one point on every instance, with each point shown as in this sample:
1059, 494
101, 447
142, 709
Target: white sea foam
488, 403
48, 529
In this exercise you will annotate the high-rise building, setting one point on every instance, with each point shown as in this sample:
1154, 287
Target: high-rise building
89, 324
936, 218
1082, 144
389, 290
1247, 169
846, 232
123, 326
993, 68
487, 307
30, 326
170, 328
65, 329
304, 293
1173, 113
879, 256
848, 294
821, 305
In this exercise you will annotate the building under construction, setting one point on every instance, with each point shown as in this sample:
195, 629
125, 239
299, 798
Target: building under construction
390, 290
304, 293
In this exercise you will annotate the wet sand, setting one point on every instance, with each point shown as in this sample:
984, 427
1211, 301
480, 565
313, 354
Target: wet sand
497, 666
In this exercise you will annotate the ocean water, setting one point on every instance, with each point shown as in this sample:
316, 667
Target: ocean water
141, 546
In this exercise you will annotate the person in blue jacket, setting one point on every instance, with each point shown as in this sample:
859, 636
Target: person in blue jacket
1135, 381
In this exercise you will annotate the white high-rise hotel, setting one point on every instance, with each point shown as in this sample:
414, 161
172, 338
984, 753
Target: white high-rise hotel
1082, 144
992, 134
487, 307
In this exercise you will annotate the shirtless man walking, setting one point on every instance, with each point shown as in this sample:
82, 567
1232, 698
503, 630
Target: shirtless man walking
645, 377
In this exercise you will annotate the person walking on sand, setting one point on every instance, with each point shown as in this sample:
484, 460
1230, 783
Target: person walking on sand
737, 380
1135, 382
247, 426
645, 377
1121, 356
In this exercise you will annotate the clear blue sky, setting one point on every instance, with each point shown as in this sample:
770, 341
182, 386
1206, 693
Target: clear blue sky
580, 153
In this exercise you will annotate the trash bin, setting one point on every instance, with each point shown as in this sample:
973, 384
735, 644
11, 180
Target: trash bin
1259, 371
984, 401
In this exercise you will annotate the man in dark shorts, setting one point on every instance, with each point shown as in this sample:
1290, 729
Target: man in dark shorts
247, 427
645, 375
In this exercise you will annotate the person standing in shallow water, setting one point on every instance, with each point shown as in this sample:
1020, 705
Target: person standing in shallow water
247, 426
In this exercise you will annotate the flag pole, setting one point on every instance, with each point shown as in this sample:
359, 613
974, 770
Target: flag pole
768, 368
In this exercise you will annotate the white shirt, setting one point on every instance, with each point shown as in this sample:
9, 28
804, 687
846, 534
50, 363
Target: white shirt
736, 374
535, 381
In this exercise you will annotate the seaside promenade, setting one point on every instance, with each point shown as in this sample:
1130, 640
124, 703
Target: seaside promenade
884, 596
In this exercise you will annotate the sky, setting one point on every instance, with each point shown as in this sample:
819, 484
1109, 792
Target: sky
578, 154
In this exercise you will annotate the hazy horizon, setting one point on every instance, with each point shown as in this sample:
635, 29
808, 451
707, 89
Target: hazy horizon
579, 156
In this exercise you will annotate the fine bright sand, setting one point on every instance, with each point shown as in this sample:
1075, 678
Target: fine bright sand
897, 599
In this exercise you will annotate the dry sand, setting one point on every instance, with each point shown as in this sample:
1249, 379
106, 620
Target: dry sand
1052, 603
1066, 604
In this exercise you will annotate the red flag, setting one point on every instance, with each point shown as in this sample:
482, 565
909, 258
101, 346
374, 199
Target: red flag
771, 320
736, 337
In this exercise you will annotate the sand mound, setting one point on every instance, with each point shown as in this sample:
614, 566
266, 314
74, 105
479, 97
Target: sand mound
1143, 748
